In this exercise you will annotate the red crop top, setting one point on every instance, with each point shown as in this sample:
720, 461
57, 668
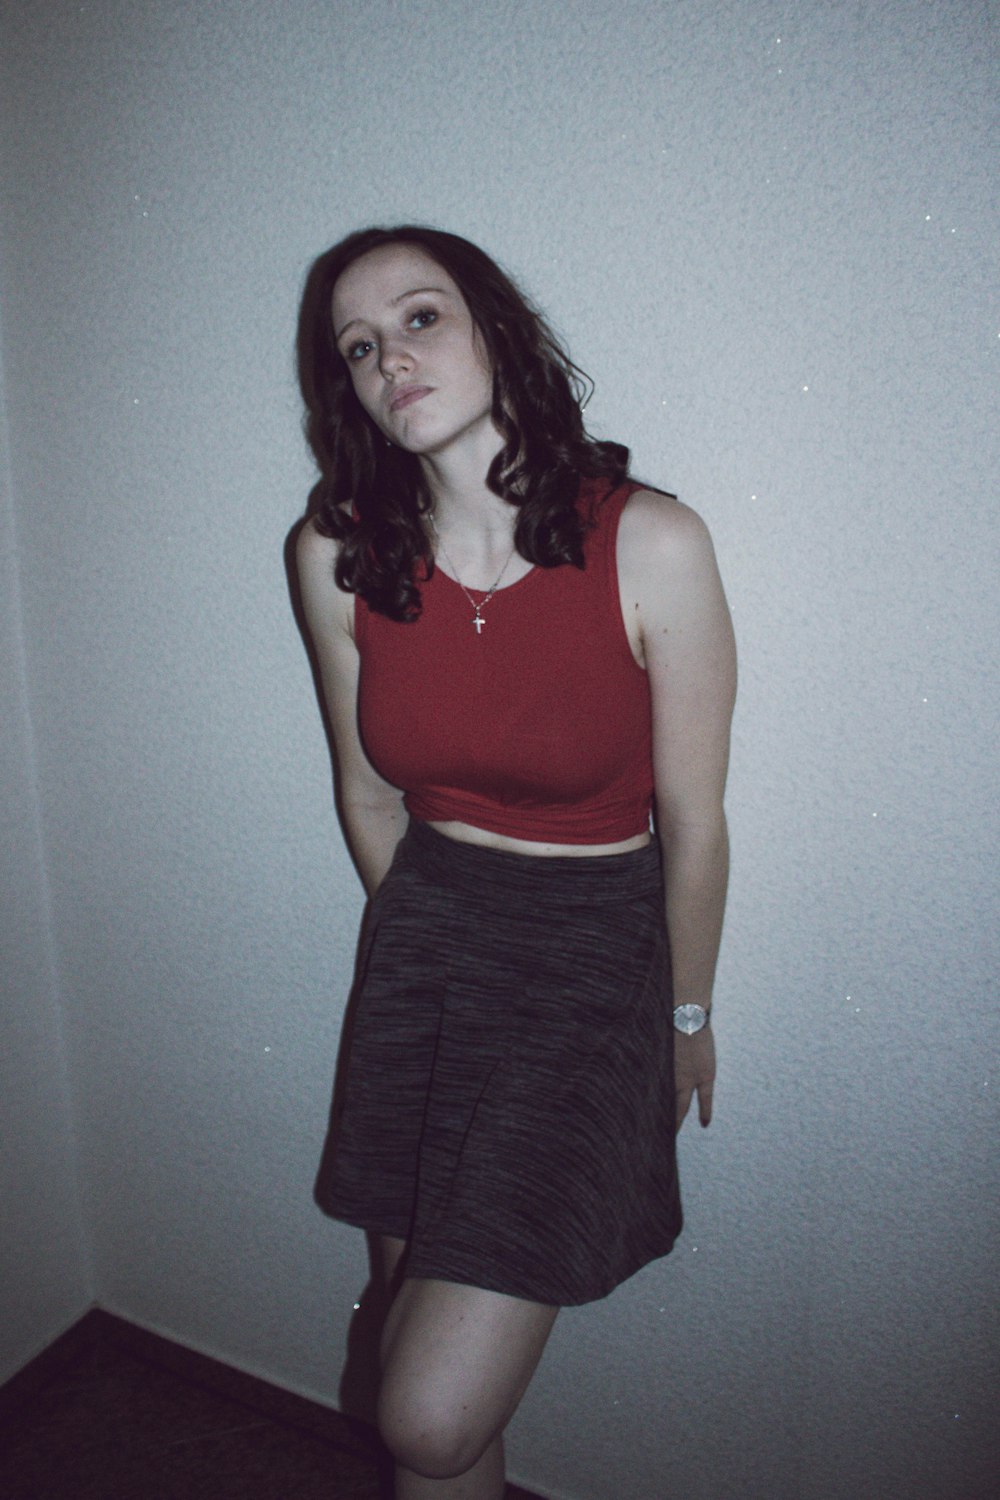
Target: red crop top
537, 728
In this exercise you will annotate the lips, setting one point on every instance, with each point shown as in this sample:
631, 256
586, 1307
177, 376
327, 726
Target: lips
407, 394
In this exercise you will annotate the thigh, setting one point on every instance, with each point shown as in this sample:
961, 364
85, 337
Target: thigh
386, 1255
457, 1359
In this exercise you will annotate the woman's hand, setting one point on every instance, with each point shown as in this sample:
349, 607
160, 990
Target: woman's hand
694, 1072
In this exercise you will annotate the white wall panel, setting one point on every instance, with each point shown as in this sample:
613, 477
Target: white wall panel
766, 230
45, 1273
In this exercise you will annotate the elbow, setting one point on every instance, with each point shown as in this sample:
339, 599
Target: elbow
706, 828
697, 847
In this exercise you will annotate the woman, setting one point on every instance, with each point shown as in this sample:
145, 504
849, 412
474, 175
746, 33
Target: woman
524, 655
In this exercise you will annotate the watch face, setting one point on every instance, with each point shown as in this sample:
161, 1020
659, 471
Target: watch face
690, 1018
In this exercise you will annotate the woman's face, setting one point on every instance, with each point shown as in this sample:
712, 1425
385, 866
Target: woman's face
417, 364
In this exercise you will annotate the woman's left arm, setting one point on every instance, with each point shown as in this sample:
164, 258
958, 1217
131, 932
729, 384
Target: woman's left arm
679, 616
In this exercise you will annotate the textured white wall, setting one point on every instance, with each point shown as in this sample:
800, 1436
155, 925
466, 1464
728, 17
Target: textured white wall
764, 228
45, 1279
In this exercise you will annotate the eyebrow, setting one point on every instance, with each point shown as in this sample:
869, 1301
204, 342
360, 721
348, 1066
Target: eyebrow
417, 291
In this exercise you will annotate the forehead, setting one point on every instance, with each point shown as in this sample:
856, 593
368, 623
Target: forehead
373, 282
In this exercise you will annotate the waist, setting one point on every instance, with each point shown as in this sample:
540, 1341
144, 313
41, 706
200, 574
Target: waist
630, 875
484, 838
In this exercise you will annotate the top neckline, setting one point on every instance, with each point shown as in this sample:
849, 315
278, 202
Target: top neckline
504, 588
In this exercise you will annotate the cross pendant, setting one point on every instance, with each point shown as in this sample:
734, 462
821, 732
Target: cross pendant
478, 621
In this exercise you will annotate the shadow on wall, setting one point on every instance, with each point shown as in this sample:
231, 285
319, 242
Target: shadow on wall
359, 1382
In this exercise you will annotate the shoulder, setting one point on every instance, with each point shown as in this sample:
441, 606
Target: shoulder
324, 600
312, 546
670, 581
659, 537
668, 576
316, 556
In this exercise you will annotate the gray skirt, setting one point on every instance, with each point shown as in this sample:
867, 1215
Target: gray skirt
508, 1097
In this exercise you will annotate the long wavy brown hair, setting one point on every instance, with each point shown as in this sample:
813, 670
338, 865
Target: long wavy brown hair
372, 496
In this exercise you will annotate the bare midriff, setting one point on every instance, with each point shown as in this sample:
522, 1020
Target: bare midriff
466, 833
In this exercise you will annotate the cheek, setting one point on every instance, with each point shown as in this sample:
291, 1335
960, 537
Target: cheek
362, 387
479, 368
481, 354
364, 397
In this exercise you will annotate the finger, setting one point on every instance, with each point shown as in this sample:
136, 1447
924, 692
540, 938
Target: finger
705, 1093
683, 1104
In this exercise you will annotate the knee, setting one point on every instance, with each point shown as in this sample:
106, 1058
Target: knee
427, 1436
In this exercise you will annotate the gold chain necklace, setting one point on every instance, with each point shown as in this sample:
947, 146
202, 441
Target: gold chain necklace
477, 609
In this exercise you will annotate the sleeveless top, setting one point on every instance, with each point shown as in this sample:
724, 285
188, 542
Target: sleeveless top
539, 727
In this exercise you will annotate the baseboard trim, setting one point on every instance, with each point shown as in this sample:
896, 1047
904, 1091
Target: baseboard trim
98, 1329
75, 1343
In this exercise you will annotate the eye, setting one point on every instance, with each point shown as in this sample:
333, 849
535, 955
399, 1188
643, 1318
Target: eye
358, 350
422, 318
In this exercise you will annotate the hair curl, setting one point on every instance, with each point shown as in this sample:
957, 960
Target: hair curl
372, 496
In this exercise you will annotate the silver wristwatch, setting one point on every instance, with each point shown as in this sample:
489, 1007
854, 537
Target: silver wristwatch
690, 1018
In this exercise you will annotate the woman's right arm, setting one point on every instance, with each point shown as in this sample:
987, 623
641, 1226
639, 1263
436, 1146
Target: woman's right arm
372, 810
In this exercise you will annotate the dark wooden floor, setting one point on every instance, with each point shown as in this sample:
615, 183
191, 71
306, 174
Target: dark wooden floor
111, 1412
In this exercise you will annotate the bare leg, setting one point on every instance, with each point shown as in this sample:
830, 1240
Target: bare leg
456, 1362
387, 1254
484, 1481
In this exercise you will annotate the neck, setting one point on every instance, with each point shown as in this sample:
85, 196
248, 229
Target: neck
463, 503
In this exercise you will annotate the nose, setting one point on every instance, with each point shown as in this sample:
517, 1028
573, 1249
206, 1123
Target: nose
395, 358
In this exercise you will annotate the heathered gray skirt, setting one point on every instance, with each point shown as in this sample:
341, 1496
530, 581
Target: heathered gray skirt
509, 1099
